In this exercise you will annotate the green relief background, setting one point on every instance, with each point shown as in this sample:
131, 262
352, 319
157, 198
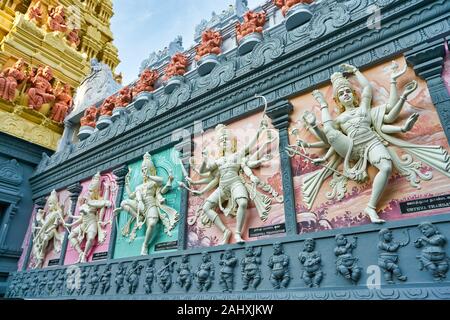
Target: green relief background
165, 162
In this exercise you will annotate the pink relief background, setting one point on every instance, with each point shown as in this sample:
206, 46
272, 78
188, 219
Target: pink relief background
26, 241
330, 214
202, 236
71, 254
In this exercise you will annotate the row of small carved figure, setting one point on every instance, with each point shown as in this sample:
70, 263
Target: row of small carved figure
432, 258
210, 46
57, 21
36, 86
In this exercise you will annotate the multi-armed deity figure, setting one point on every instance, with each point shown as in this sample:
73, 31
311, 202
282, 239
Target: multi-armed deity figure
46, 229
41, 90
362, 136
146, 204
89, 118
10, 78
90, 224
226, 175
35, 13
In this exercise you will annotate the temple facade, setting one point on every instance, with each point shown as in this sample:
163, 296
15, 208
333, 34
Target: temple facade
46, 49
299, 150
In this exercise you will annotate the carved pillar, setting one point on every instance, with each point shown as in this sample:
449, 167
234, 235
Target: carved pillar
120, 173
427, 61
279, 113
185, 149
40, 204
75, 190
9, 215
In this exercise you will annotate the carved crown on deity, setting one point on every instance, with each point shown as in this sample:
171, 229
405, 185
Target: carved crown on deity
148, 167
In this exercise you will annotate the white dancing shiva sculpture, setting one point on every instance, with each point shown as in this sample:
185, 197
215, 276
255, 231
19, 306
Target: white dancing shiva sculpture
146, 204
362, 135
226, 174
46, 229
90, 224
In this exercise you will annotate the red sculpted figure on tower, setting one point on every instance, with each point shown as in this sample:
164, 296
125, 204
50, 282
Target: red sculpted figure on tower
146, 81
211, 42
177, 66
90, 116
253, 22
125, 97
73, 38
285, 5
41, 90
57, 19
10, 78
62, 104
108, 106
35, 13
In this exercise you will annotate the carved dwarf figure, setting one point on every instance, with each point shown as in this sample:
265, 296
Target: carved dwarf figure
62, 104
346, 264
226, 175
146, 204
133, 277
105, 280
388, 256
285, 5
120, 276
184, 278
82, 283
176, 67
41, 91
363, 135
279, 264
205, 273
146, 81
10, 78
90, 224
211, 42
149, 276
57, 19
94, 280
311, 261
228, 261
46, 229
35, 13
251, 273
60, 282
90, 117
433, 257
165, 274
125, 97
108, 106
253, 22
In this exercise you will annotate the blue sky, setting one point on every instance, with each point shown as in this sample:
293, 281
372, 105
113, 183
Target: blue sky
144, 26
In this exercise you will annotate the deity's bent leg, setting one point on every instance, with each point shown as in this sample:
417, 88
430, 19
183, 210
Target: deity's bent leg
210, 204
152, 220
379, 158
90, 238
73, 238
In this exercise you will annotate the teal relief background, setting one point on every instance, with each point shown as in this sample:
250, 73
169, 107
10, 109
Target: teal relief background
165, 161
